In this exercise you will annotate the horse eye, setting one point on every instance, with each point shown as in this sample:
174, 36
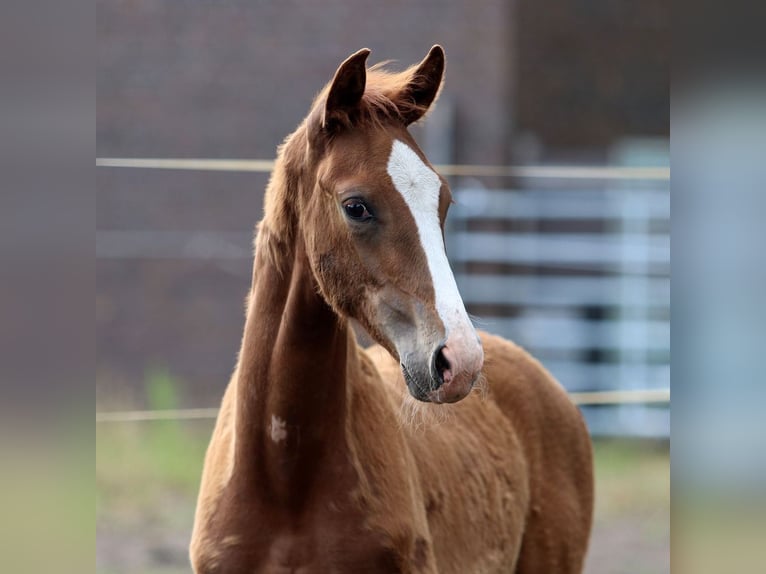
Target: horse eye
356, 210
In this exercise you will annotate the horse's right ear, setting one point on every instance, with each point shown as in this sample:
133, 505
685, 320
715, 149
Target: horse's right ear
346, 90
423, 86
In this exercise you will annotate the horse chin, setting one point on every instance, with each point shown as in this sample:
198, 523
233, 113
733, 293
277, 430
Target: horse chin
452, 391
419, 386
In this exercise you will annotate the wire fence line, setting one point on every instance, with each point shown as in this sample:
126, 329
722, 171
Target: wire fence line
156, 415
646, 396
624, 263
466, 170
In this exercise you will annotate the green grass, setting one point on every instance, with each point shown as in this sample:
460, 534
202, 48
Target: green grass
631, 476
141, 462
631, 528
716, 531
147, 477
47, 501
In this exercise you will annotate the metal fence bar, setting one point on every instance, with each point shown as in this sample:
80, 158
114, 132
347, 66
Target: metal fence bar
644, 397
661, 396
525, 171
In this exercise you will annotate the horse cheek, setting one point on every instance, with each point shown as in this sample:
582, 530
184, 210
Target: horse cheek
341, 286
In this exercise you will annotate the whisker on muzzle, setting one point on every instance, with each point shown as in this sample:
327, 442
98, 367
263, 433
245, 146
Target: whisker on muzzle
478, 321
481, 387
420, 416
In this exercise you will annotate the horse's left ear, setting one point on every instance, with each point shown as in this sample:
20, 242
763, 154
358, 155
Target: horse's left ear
422, 87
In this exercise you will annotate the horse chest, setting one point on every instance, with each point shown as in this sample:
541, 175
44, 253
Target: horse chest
330, 535
292, 551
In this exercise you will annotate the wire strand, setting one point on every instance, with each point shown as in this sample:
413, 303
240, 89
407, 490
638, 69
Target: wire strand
525, 171
644, 396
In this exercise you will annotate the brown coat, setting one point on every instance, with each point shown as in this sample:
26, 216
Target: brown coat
321, 461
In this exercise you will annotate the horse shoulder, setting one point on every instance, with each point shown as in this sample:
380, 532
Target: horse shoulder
536, 403
557, 447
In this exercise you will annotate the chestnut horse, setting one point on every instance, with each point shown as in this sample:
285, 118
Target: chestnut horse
310, 468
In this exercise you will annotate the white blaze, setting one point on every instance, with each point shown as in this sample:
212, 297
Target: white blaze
419, 185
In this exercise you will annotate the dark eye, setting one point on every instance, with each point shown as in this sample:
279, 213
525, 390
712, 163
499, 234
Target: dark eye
356, 209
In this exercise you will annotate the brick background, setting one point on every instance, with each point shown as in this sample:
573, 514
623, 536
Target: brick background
231, 78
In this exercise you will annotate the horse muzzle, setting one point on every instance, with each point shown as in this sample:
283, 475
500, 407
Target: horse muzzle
450, 373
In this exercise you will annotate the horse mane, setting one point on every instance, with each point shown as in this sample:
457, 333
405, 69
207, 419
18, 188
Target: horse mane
385, 100
275, 232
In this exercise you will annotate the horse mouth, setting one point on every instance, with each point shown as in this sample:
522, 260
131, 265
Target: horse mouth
431, 388
452, 392
415, 385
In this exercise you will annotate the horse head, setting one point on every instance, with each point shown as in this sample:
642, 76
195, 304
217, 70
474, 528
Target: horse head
371, 212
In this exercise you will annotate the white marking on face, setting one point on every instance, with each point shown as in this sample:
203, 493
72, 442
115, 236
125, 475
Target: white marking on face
420, 186
278, 429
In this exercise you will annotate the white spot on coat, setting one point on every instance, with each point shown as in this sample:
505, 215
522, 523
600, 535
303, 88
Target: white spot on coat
278, 429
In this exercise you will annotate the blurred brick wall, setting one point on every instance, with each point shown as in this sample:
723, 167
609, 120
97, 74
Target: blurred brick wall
231, 79
591, 71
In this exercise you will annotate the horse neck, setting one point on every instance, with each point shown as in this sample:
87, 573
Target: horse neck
291, 376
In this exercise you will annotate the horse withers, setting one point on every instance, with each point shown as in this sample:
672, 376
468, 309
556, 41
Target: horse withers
314, 465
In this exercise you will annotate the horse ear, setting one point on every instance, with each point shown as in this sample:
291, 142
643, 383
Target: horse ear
423, 86
346, 90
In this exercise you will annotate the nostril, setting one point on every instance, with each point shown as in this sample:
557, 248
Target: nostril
441, 364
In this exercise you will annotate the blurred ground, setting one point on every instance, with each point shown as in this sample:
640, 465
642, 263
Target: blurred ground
631, 532
147, 475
